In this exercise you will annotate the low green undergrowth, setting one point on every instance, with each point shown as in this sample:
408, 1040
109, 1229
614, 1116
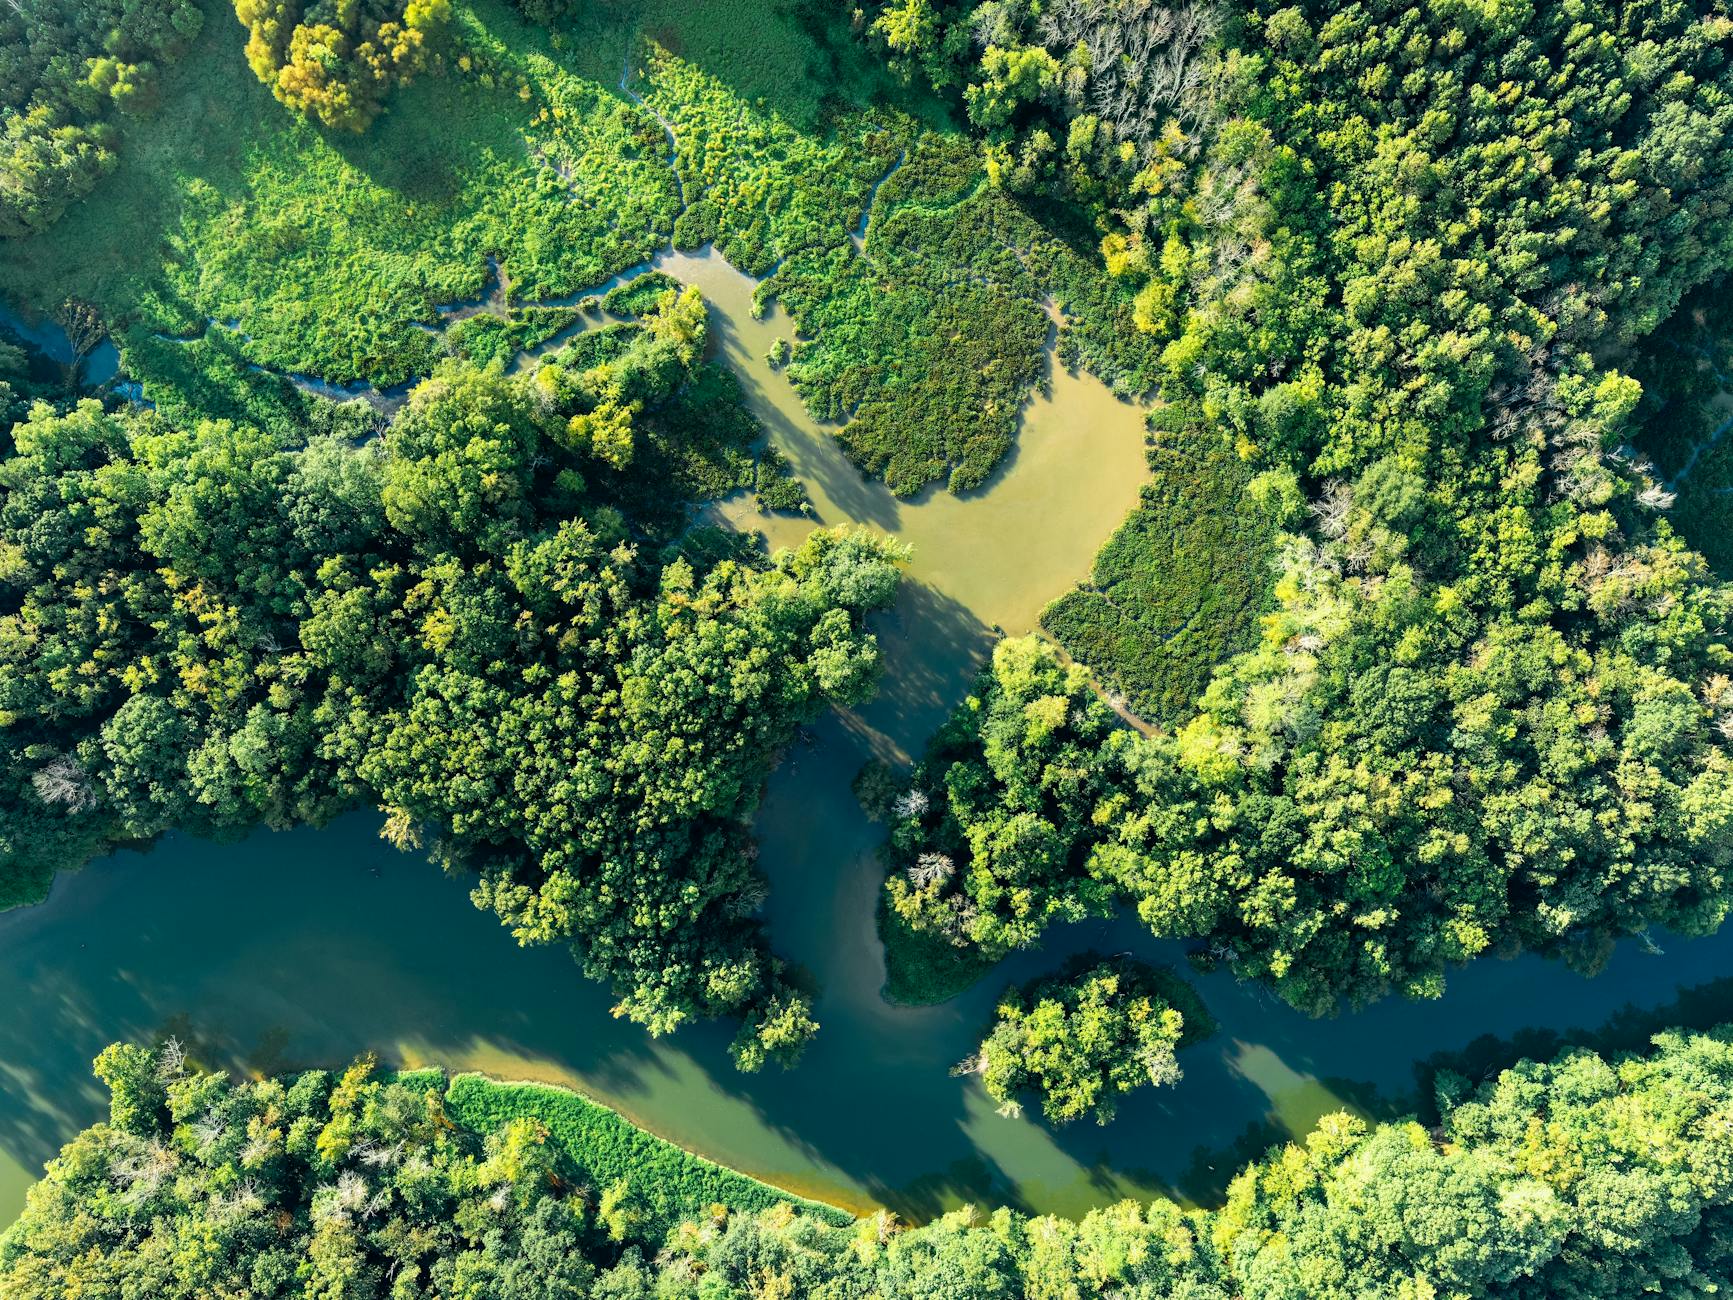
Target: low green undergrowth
486, 338
927, 346
922, 969
326, 247
638, 295
604, 1149
1179, 586
330, 253
1685, 370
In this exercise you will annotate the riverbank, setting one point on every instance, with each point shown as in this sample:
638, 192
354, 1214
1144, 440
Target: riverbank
604, 1148
308, 947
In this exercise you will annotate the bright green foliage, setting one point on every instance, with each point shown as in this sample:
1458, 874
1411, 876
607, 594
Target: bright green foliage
1489, 708
639, 294
792, 62
925, 346
600, 1149
338, 296
324, 252
467, 623
336, 60
1082, 1039
991, 836
486, 338
67, 71
1588, 1178
1584, 1178
350, 1185
1033, 805
928, 345
755, 186
1097, 103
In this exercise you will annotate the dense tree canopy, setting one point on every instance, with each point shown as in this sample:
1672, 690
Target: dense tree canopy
1082, 1039
1044, 808
478, 622
1386, 265
69, 72
336, 60
1588, 1178
1490, 706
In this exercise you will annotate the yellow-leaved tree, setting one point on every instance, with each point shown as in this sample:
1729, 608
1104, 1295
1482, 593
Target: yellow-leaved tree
337, 59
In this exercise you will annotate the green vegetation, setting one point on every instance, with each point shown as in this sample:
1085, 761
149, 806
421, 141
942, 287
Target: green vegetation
1085, 1037
599, 1149
485, 338
356, 1184
988, 837
1488, 708
775, 484
1589, 1177
1128, 113
326, 254
69, 73
1385, 266
929, 343
337, 60
639, 294
1179, 587
923, 967
1687, 405
482, 622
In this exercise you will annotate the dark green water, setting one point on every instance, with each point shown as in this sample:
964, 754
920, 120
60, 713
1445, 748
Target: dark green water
309, 947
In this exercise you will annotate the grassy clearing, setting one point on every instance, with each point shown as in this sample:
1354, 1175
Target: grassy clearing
329, 253
324, 248
603, 1148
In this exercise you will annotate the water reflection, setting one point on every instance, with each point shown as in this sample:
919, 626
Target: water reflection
93, 367
310, 946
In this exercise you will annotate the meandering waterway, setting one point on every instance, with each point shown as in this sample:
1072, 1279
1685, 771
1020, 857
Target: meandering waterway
310, 946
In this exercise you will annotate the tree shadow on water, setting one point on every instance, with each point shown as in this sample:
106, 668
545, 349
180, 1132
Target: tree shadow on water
811, 446
934, 647
1702, 1006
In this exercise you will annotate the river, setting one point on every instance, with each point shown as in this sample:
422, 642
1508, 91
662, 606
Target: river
308, 947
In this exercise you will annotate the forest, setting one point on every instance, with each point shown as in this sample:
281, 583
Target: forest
424, 485
1588, 1176
489, 622
1486, 708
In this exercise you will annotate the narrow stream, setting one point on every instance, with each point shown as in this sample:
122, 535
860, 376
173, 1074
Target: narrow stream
859, 233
